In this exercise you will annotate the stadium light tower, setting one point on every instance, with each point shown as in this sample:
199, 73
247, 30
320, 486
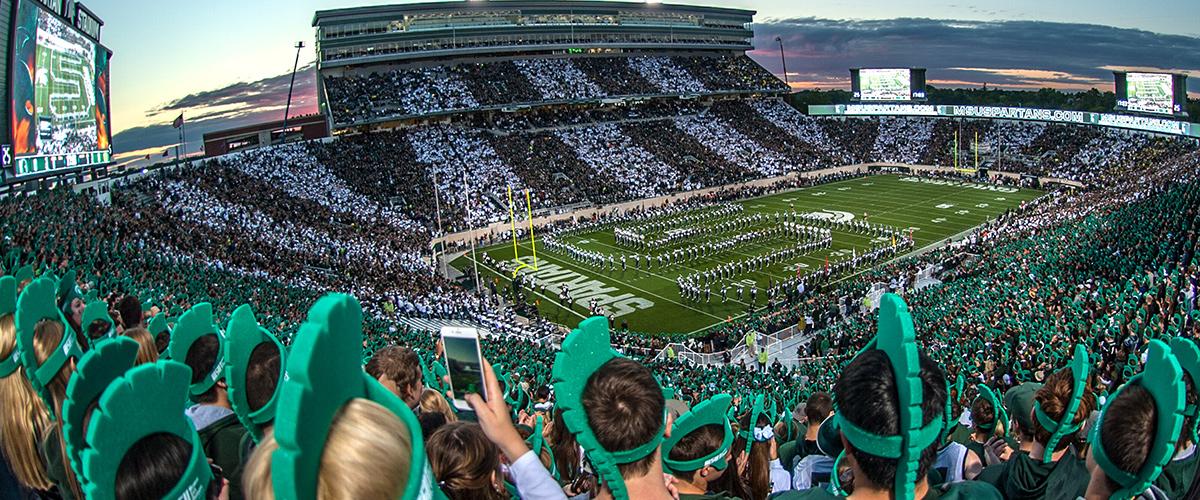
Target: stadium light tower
288, 108
784, 59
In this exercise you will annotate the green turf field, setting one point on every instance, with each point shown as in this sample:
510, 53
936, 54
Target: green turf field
650, 300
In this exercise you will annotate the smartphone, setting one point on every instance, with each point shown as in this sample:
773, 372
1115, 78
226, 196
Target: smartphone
464, 362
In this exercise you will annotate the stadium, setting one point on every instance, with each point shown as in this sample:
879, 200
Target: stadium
594, 249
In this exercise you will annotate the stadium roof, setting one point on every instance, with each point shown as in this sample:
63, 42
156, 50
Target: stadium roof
576, 6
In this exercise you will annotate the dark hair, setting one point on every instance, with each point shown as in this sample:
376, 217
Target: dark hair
131, 311
624, 409
565, 447
153, 467
430, 422
1127, 431
818, 406
399, 364
983, 414
97, 329
463, 460
866, 395
1190, 399
542, 393
201, 358
262, 375
756, 484
162, 341
1053, 398
696, 444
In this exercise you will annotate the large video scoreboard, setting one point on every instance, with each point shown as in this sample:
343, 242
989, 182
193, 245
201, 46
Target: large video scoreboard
1152, 93
58, 95
887, 84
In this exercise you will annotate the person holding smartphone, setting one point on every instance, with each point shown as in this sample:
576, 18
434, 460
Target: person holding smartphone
476, 388
525, 468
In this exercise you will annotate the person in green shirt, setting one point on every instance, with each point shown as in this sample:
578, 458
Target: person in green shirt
1178, 478
990, 421
1134, 436
1019, 401
698, 449
890, 407
1052, 467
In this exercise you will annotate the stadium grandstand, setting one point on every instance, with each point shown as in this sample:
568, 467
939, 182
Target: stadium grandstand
608, 220
378, 65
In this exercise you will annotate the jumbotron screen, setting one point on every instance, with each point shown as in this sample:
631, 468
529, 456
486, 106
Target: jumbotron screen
887, 84
1153, 93
60, 89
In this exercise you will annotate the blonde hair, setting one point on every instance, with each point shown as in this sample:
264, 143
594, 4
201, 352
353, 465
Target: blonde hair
23, 417
147, 351
47, 336
356, 463
433, 402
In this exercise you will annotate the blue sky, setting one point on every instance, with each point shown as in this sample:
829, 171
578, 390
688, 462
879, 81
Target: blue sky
164, 51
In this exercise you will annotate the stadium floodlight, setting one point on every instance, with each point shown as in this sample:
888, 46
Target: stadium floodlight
288, 107
783, 58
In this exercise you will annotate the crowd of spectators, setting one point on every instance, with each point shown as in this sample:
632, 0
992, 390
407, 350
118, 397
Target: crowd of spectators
611, 153
394, 92
1110, 271
902, 140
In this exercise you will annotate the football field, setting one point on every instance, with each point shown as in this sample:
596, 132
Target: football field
730, 249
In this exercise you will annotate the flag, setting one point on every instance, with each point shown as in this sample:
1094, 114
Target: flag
178, 121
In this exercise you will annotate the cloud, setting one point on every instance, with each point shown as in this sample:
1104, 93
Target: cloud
1007, 54
1004, 54
235, 105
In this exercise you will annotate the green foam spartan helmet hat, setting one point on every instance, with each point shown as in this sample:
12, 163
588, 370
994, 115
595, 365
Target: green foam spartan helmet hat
897, 339
753, 433
99, 367
67, 291
1188, 355
1000, 415
98, 311
323, 374
709, 412
585, 350
1167, 391
25, 273
537, 442
242, 336
1063, 426
157, 325
197, 322
35, 304
146, 400
8, 305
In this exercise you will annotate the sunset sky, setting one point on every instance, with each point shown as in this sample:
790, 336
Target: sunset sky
225, 63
